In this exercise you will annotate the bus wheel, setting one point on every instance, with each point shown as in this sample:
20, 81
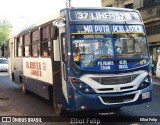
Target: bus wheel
58, 109
24, 90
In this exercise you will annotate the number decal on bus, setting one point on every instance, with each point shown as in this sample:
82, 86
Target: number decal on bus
81, 15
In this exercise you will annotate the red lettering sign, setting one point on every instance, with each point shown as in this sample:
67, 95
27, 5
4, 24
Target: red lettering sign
36, 68
36, 72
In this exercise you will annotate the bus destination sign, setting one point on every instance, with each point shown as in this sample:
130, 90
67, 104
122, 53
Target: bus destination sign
105, 15
106, 28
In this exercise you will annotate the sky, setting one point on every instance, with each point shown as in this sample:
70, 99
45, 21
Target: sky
22, 13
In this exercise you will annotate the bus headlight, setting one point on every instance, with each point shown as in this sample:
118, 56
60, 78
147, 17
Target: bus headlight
145, 83
81, 86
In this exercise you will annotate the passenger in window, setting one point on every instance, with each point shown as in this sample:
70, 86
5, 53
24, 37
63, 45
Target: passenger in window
34, 54
45, 53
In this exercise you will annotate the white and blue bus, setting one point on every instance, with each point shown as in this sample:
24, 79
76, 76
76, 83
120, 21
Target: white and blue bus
85, 59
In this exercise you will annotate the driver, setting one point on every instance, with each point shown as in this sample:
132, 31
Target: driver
77, 54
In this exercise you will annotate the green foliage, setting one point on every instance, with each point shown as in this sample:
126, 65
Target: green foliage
5, 28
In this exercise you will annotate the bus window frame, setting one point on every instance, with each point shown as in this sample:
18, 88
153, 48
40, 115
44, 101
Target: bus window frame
28, 44
15, 47
46, 41
63, 46
36, 42
19, 45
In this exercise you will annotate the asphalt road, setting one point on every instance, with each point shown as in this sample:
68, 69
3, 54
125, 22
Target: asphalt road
14, 103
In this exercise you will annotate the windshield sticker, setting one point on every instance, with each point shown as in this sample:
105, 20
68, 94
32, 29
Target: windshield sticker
142, 62
93, 36
123, 64
105, 65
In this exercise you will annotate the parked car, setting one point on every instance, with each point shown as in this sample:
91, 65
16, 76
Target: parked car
3, 64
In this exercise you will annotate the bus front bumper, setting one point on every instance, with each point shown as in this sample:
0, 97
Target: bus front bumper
95, 102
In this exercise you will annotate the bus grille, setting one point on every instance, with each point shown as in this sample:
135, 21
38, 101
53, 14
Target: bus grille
115, 80
118, 99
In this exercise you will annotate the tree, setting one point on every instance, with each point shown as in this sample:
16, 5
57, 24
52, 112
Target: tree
5, 28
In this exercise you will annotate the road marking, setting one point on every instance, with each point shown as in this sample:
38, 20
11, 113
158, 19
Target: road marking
3, 101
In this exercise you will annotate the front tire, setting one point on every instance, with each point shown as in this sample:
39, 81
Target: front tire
59, 111
24, 90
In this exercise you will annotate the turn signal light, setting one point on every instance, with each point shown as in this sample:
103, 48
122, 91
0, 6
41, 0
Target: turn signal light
84, 107
74, 80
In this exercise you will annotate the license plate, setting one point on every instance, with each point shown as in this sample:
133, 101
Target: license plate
145, 95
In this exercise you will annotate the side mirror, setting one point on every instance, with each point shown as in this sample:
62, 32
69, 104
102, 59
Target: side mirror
54, 32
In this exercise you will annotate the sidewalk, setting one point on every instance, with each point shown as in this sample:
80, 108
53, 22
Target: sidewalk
156, 80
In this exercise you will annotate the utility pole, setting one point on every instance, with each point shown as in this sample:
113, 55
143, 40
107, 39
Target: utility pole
68, 3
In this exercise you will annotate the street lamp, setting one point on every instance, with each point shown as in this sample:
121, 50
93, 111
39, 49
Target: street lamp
68, 3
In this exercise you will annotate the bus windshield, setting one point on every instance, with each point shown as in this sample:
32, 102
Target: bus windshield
103, 44
87, 52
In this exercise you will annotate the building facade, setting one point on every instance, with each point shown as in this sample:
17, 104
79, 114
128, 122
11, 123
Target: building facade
150, 12
117, 3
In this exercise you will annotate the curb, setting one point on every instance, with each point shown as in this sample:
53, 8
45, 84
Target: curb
156, 79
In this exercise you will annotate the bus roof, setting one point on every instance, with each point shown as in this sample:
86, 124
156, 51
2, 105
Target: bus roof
54, 16
99, 8
48, 19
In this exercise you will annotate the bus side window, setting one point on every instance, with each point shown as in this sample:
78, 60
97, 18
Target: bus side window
35, 43
45, 42
26, 44
19, 47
